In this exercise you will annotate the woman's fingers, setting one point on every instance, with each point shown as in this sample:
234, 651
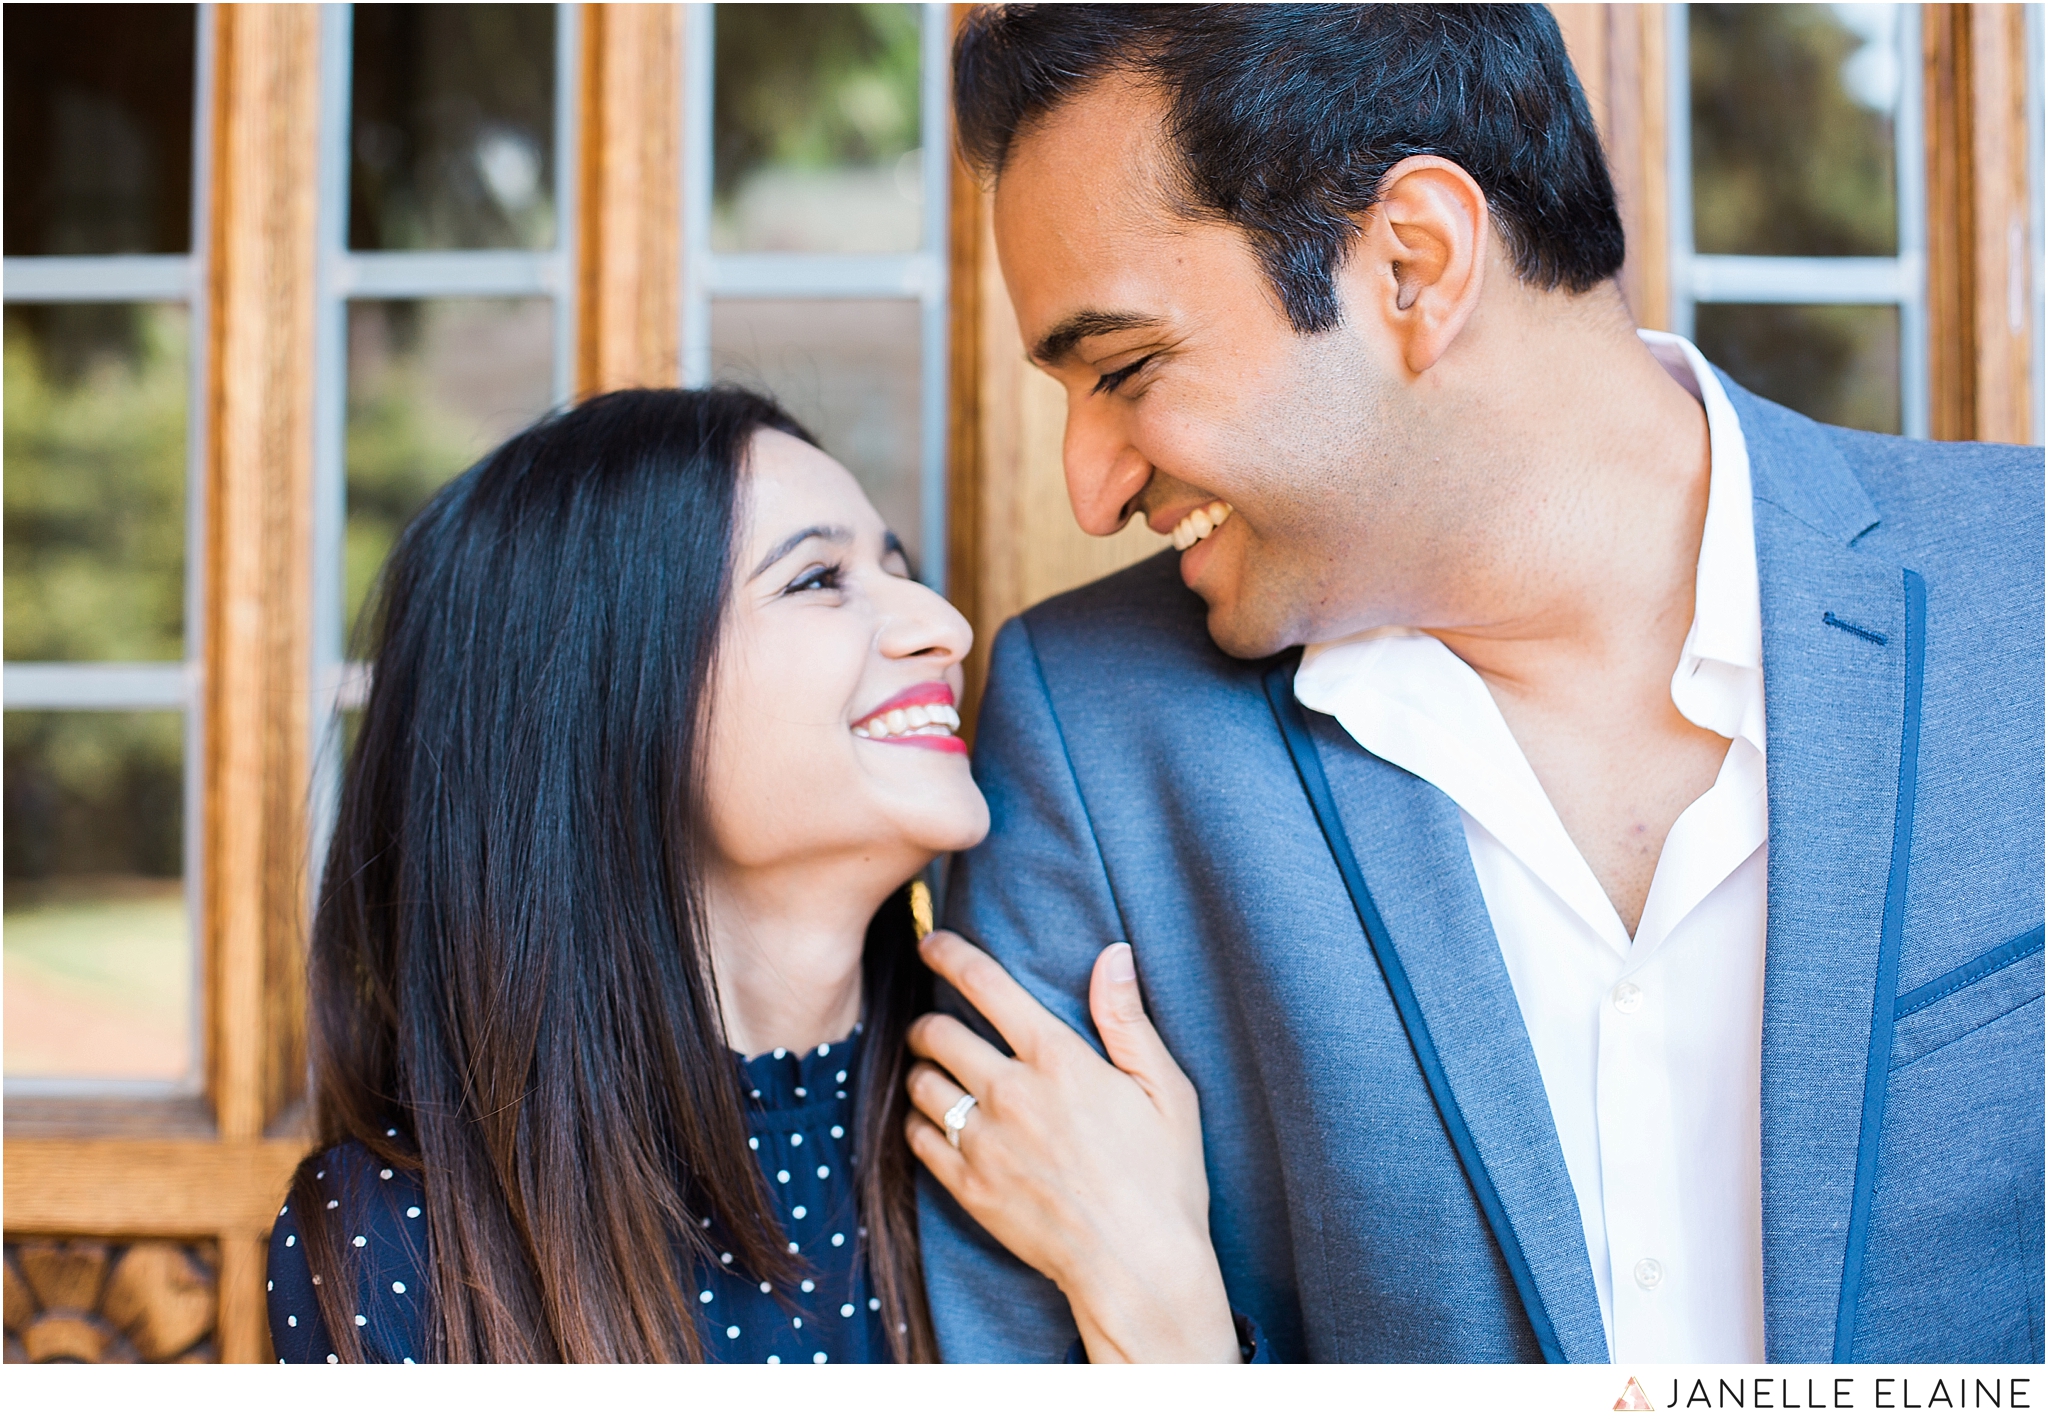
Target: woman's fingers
1127, 1032
929, 1146
933, 1091
990, 989
956, 1049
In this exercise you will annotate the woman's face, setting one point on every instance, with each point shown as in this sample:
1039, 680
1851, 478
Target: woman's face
834, 719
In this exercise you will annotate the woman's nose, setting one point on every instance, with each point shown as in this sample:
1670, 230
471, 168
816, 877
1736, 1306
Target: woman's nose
920, 622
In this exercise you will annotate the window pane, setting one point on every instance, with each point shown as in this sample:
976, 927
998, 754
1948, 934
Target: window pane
1792, 111
98, 953
453, 134
816, 124
432, 387
848, 371
95, 484
99, 128
1835, 363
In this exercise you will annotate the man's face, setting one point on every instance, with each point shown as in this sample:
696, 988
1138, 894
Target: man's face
1187, 387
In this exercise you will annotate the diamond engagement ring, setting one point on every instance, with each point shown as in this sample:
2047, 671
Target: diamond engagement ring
956, 1118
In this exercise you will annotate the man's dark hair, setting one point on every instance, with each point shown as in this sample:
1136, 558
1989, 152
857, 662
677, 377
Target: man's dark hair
1286, 119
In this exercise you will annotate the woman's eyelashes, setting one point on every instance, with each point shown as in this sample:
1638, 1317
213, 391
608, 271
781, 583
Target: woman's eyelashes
839, 575
834, 577
829, 577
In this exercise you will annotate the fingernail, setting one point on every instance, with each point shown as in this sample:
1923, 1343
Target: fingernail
1121, 965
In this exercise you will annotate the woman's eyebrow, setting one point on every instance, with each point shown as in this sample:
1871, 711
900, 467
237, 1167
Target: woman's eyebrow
840, 535
892, 543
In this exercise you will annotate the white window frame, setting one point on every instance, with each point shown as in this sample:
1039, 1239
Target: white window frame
919, 275
149, 685
1899, 281
343, 275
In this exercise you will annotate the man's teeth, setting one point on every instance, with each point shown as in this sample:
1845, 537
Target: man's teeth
1199, 524
914, 719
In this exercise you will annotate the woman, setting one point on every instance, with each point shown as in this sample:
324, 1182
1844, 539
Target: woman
614, 962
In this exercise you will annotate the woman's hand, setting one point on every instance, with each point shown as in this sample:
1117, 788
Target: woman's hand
1089, 1170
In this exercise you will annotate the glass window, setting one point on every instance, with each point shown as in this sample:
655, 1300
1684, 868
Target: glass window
1835, 363
817, 119
432, 386
99, 128
1792, 142
452, 127
98, 951
848, 371
1798, 238
95, 422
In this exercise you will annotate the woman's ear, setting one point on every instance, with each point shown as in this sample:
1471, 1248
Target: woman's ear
1421, 258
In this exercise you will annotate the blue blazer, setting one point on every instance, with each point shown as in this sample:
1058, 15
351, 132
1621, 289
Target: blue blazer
1386, 1181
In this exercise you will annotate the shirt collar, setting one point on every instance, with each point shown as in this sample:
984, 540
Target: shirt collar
1719, 680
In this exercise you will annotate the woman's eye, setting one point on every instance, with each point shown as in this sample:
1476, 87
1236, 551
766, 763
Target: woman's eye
826, 578
1114, 380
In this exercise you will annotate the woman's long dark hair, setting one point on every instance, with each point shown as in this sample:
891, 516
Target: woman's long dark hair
511, 987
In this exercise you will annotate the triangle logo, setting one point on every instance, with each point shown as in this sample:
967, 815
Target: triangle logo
1633, 1400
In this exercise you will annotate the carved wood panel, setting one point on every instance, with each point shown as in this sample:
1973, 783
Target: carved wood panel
97, 1302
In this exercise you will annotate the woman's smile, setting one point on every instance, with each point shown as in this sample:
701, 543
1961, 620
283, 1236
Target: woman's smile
922, 716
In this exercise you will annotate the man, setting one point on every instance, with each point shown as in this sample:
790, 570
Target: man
1616, 935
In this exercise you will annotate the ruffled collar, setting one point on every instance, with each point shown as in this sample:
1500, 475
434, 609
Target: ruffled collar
784, 1079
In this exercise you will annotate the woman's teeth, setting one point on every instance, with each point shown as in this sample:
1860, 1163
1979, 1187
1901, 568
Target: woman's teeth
916, 719
1199, 524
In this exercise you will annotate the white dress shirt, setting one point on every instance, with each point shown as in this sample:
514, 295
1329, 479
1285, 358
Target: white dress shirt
1650, 1049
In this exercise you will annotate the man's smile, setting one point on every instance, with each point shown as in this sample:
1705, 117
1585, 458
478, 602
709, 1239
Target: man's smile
1199, 524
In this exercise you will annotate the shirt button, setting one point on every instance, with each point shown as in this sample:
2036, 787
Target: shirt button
1649, 1272
1628, 998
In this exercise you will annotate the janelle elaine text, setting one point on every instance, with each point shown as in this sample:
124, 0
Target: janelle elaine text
1863, 1391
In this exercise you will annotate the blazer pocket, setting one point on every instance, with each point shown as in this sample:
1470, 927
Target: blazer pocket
2003, 979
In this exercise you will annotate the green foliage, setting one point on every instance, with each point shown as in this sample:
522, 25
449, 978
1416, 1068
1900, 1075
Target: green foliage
95, 482
814, 86
95, 537
1835, 363
443, 98
1786, 160
401, 449
92, 792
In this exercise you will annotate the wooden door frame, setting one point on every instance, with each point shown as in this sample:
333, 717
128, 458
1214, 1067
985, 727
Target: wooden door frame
629, 220
215, 1167
1982, 293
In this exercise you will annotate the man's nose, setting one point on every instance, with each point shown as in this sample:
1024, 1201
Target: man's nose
1105, 471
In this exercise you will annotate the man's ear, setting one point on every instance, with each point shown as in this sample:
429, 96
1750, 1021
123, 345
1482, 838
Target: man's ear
1421, 258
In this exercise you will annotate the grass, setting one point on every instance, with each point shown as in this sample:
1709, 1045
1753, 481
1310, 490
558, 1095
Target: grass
98, 982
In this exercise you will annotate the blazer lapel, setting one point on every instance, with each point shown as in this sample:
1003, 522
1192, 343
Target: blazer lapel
1410, 874
1843, 629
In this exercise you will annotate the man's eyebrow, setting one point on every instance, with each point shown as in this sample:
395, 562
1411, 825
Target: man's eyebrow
1059, 342
841, 535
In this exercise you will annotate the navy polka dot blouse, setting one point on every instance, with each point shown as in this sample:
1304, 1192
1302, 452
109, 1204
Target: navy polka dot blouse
800, 1116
